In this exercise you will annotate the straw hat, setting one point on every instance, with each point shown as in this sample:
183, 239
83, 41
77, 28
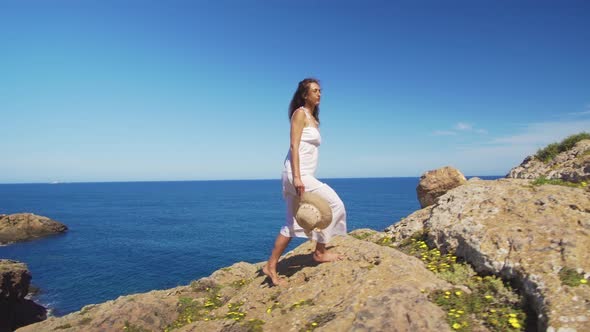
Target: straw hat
312, 212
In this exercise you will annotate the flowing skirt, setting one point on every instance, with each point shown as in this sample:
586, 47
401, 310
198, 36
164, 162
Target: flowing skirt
292, 229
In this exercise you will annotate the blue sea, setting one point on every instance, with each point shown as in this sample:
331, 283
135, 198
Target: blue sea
131, 237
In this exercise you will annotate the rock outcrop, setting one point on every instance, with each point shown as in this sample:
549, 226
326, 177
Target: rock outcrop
526, 234
375, 288
572, 165
436, 183
523, 233
26, 226
15, 309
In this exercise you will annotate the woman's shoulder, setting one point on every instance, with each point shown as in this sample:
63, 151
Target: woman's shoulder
300, 110
299, 114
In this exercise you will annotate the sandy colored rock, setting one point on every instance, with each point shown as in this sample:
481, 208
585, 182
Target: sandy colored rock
409, 225
436, 183
375, 288
572, 165
522, 233
26, 226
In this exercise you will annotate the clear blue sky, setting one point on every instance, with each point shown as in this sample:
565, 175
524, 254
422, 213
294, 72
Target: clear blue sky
189, 90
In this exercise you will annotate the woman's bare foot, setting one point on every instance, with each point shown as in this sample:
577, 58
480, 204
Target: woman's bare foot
274, 277
326, 257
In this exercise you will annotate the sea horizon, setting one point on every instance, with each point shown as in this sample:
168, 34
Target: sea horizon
219, 180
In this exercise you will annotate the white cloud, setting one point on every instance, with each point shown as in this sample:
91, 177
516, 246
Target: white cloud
464, 126
458, 128
491, 155
587, 112
582, 113
542, 133
443, 133
503, 153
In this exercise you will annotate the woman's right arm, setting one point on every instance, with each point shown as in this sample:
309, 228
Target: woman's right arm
297, 124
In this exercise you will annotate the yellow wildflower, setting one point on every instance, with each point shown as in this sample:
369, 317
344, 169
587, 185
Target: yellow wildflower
488, 297
516, 325
512, 315
492, 310
456, 326
583, 281
460, 312
268, 310
447, 293
314, 324
458, 293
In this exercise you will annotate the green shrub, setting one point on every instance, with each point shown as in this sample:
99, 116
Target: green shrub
550, 151
489, 302
570, 141
361, 235
129, 327
318, 321
191, 310
254, 325
484, 301
85, 321
571, 277
559, 182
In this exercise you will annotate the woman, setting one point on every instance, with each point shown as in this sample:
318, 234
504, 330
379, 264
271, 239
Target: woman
299, 176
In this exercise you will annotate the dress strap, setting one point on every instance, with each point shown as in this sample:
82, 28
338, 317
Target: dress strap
307, 115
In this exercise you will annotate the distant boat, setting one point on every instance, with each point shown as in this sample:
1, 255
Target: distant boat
54, 182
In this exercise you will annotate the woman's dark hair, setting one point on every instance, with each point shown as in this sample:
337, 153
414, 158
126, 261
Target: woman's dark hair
299, 98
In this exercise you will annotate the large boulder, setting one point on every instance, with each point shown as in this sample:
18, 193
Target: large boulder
436, 183
26, 226
525, 234
376, 288
15, 309
572, 165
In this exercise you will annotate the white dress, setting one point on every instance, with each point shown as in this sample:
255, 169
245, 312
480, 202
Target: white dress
308, 162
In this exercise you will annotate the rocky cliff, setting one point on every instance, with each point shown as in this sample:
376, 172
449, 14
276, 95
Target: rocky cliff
27, 226
15, 309
502, 255
572, 165
529, 235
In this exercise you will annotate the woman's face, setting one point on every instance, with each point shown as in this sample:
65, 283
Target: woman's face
314, 93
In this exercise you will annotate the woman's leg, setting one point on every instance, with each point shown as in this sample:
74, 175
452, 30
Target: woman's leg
321, 255
337, 227
270, 269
